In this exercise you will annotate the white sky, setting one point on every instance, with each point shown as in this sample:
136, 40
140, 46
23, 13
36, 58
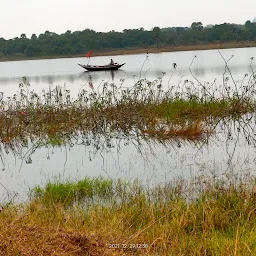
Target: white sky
37, 16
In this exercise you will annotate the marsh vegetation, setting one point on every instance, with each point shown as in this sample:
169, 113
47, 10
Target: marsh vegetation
198, 215
185, 110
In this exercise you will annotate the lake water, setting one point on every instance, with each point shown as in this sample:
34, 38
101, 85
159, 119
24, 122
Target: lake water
207, 66
231, 148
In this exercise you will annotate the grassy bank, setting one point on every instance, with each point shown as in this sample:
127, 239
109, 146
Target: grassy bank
114, 52
114, 217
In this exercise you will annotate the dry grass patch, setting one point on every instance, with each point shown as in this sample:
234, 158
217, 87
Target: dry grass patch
17, 237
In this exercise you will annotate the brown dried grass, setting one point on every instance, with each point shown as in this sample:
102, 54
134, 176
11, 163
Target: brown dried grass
192, 131
19, 238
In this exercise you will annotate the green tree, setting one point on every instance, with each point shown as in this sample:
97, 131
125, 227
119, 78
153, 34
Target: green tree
33, 37
32, 50
23, 36
248, 24
197, 26
78, 42
156, 32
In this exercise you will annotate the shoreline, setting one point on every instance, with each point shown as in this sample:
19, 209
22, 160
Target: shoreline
100, 216
145, 50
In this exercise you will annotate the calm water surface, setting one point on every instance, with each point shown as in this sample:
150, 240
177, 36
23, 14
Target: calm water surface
231, 148
207, 66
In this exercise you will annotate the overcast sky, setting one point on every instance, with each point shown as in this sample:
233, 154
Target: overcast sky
37, 16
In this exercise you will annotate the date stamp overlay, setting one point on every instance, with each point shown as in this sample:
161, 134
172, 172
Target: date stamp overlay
128, 246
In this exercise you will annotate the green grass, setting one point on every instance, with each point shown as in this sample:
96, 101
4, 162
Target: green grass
181, 109
166, 119
70, 192
198, 217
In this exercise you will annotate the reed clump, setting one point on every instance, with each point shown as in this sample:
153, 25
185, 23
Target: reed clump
119, 217
145, 109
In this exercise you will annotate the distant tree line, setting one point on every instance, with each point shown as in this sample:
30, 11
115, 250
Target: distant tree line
80, 42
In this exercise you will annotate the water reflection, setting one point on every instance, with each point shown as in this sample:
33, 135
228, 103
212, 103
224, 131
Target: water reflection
34, 161
48, 79
75, 80
52, 80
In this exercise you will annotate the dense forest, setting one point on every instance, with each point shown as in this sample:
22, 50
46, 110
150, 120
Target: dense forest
80, 42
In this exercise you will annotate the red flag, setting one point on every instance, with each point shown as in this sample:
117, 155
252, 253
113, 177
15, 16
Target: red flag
89, 54
91, 85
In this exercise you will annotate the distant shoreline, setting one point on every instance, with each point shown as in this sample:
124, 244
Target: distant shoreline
145, 50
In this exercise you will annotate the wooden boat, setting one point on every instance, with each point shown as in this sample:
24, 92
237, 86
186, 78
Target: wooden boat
114, 66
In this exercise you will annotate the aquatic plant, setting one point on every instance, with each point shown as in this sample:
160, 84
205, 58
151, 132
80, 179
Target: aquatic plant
189, 111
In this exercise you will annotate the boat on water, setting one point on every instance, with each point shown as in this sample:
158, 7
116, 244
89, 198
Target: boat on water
113, 66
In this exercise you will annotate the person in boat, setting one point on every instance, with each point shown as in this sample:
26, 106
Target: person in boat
111, 62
